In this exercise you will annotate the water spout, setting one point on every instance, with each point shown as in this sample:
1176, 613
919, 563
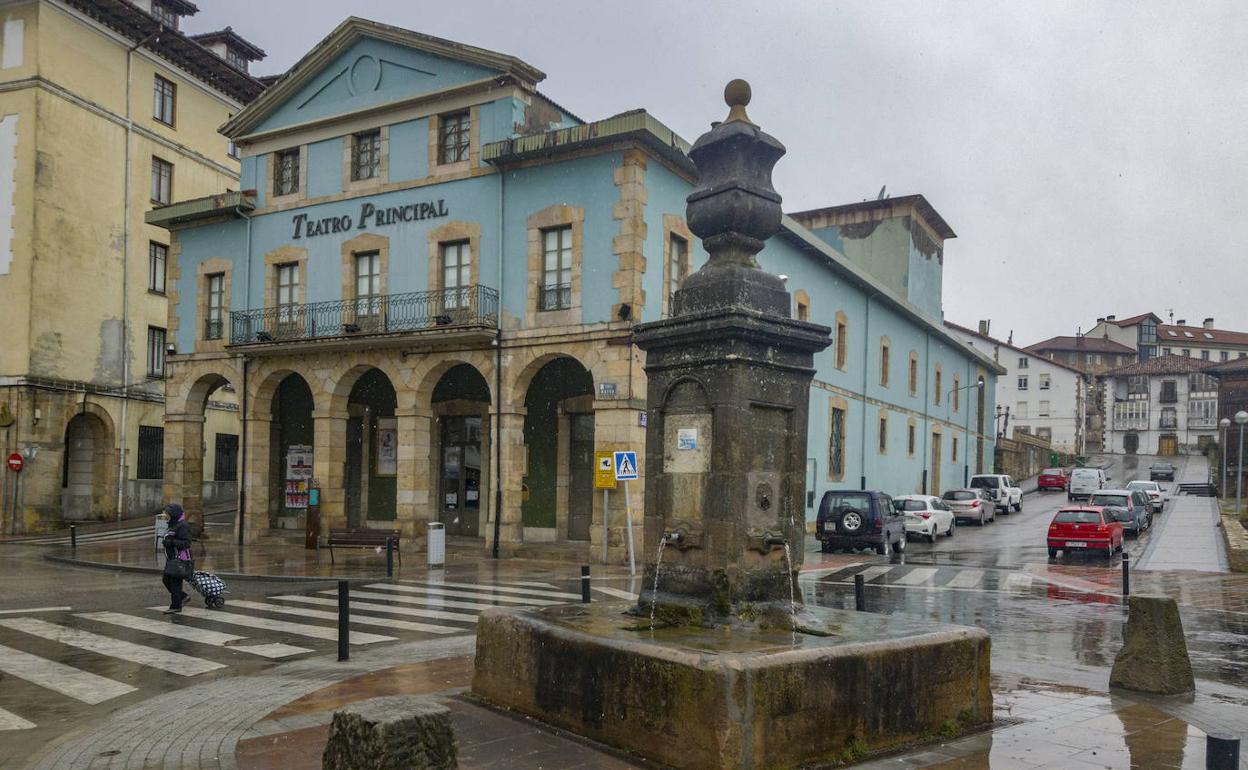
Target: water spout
658, 563
788, 575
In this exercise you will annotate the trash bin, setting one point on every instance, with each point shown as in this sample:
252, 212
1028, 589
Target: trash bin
436, 543
162, 528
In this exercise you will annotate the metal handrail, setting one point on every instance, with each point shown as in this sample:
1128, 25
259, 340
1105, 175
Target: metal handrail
474, 305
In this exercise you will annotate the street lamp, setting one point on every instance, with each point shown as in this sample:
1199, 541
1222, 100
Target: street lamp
966, 457
1241, 417
1224, 423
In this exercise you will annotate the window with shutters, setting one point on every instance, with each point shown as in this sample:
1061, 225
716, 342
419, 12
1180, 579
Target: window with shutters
151, 459
556, 289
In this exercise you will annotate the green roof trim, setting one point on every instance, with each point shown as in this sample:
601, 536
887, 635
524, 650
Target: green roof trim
636, 124
187, 212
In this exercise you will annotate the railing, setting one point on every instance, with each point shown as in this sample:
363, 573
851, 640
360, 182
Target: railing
1168, 423
382, 314
213, 329
557, 297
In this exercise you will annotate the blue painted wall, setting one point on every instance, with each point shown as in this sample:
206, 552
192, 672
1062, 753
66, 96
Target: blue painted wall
409, 150
225, 240
325, 167
369, 73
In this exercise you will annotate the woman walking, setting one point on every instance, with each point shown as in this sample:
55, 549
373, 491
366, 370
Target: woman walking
177, 556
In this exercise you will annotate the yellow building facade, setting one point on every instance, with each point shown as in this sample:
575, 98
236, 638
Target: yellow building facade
106, 111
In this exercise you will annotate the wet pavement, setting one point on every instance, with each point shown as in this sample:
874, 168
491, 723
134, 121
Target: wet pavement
1056, 625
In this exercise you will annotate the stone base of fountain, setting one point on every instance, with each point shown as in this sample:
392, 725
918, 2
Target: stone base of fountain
705, 698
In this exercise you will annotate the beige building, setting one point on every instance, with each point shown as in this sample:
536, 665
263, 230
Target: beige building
106, 111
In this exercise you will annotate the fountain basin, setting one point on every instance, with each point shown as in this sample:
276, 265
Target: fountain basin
692, 697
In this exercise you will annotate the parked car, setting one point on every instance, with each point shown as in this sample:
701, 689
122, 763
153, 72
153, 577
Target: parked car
859, 519
1053, 478
926, 515
1156, 493
1084, 528
1084, 482
1161, 471
972, 505
1005, 494
1130, 508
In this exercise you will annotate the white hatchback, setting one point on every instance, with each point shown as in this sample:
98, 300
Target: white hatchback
926, 516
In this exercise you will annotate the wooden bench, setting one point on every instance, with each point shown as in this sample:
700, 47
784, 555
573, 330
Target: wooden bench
359, 537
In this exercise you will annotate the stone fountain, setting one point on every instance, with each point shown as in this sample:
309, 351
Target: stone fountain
718, 665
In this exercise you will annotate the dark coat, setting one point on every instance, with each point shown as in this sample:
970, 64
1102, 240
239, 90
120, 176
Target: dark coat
178, 537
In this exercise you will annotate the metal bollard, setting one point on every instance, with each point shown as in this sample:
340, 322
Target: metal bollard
344, 620
585, 583
73, 535
389, 557
1221, 752
860, 593
1126, 574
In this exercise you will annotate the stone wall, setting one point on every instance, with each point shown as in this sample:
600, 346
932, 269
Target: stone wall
1022, 456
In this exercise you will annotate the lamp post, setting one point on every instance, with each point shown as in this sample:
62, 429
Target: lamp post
1224, 423
966, 457
1241, 417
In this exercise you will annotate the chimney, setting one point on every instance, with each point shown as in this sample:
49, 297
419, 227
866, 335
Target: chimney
984, 326
1209, 323
1110, 317
1100, 320
1181, 322
1010, 341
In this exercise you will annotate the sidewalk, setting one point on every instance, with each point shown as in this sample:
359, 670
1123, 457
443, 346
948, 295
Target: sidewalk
1187, 538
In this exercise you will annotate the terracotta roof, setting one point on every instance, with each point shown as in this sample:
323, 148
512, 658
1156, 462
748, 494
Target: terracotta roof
1198, 335
1004, 344
1081, 345
1161, 365
1135, 319
1234, 366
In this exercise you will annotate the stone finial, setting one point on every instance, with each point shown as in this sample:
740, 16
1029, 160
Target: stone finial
737, 95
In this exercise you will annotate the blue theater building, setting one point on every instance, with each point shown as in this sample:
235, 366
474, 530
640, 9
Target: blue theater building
422, 299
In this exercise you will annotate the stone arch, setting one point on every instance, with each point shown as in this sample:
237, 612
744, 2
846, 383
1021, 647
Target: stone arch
341, 381
264, 387
426, 377
686, 391
524, 378
88, 484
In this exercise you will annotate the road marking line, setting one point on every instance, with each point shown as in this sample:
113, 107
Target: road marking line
916, 576
35, 609
173, 662
67, 680
526, 583
410, 611
11, 721
870, 573
617, 592
967, 578
192, 634
428, 601
492, 588
365, 620
463, 594
299, 629
1017, 581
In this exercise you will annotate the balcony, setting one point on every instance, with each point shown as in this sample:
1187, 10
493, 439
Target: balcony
447, 316
1168, 422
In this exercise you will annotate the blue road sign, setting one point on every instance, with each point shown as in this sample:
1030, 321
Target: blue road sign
625, 466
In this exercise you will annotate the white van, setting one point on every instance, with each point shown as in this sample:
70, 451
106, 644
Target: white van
1084, 482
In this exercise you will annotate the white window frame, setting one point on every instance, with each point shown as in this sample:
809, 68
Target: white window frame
456, 266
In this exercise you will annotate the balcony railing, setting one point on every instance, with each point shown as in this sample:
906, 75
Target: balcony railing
213, 328
555, 297
382, 314
1168, 423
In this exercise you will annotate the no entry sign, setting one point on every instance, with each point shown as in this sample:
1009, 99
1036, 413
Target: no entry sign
15, 462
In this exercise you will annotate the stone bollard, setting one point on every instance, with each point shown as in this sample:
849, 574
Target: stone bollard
398, 732
1153, 657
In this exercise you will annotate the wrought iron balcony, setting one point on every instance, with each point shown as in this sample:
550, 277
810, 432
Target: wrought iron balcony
394, 314
555, 297
1168, 422
214, 328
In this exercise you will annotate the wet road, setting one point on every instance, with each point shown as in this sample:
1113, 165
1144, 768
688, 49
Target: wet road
1000, 578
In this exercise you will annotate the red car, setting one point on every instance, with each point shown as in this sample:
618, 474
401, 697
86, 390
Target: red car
1084, 528
1054, 478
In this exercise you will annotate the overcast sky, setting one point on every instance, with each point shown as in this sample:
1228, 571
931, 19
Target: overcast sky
1091, 156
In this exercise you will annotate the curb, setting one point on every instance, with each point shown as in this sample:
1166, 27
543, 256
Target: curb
224, 575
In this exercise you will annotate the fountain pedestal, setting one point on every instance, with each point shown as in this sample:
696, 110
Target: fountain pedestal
732, 676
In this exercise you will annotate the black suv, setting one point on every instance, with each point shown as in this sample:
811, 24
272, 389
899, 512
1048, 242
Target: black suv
860, 519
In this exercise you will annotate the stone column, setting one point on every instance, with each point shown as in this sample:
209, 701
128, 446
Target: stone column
184, 463
257, 478
515, 465
329, 460
414, 471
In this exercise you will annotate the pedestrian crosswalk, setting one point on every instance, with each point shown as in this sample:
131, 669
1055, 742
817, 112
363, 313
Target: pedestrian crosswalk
921, 577
91, 657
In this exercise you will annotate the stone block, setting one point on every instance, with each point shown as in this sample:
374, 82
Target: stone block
398, 732
706, 699
1153, 657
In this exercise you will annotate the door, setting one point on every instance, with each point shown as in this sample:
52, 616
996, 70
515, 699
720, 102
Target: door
1131, 443
580, 476
79, 468
354, 480
459, 489
935, 475
1168, 445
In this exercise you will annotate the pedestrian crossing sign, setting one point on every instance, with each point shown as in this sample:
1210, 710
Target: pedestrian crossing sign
625, 466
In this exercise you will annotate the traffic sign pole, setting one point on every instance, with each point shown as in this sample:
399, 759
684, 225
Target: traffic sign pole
606, 522
628, 515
